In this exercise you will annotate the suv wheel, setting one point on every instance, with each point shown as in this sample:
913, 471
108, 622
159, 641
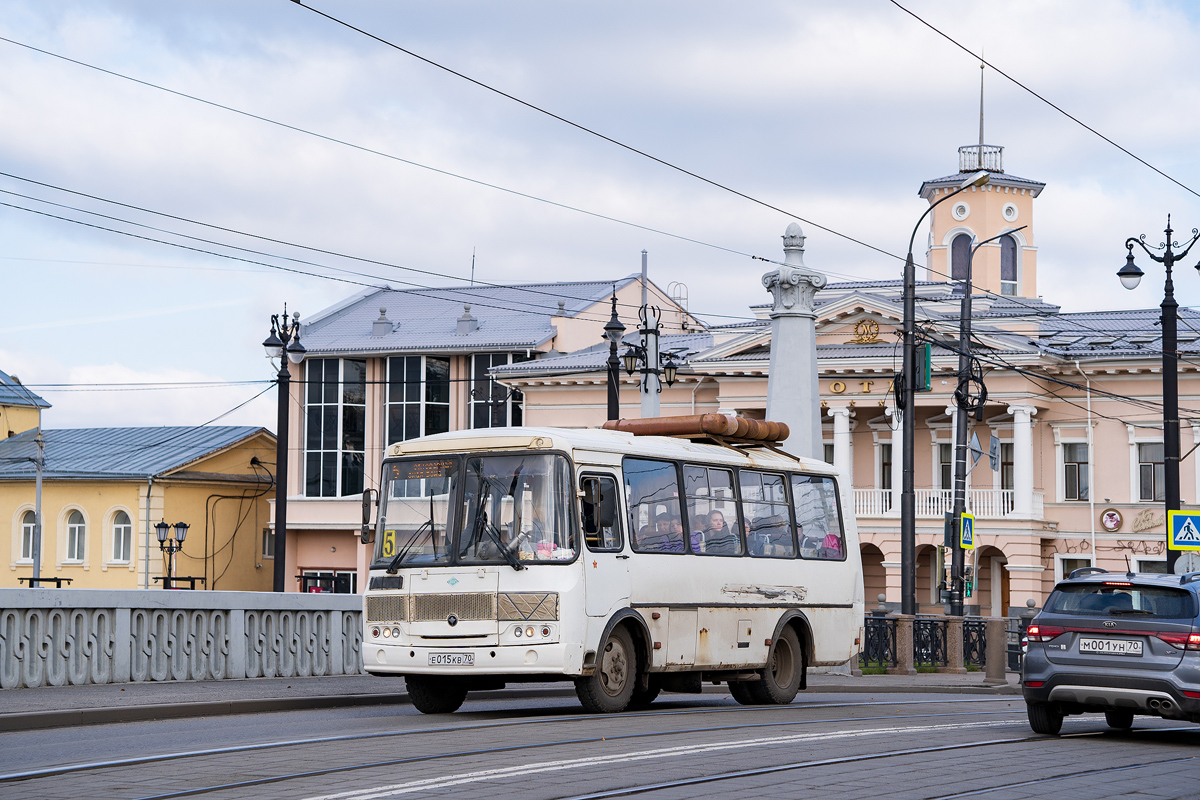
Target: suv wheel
1119, 718
1044, 718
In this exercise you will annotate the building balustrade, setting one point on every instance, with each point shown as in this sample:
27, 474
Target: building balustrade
934, 503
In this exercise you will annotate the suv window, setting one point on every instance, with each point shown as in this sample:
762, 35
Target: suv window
1112, 599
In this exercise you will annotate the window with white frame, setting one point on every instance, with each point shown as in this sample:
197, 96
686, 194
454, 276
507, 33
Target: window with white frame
946, 466
418, 397
960, 253
331, 581
122, 537
335, 426
492, 404
1008, 266
268, 543
76, 537
885, 466
1155, 566
1076, 481
1006, 466
1066, 563
1152, 484
828, 451
28, 527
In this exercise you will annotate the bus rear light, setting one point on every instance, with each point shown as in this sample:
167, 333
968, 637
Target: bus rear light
1043, 633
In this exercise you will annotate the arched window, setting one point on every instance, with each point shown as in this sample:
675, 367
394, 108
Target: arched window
960, 251
28, 524
122, 536
1008, 266
76, 537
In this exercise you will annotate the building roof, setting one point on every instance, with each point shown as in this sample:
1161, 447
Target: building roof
595, 358
517, 316
121, 453
996, 179
14, 393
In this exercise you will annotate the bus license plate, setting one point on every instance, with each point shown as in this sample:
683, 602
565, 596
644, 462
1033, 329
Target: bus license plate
1111, 647
451, 659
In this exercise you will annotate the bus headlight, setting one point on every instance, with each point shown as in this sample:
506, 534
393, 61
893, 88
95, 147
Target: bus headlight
517, 631
529, 631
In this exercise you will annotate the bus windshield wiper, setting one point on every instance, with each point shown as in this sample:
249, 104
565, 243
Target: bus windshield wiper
398, 559
483, 526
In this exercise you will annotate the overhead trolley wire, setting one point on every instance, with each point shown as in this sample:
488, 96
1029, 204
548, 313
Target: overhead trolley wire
1045, 100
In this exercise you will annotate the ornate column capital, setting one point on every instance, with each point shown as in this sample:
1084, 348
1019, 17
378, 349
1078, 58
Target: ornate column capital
1020, 408
793, 286
839, 411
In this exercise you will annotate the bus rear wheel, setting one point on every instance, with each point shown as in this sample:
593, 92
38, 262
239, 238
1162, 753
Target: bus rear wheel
609, 688
781, 677
431, 694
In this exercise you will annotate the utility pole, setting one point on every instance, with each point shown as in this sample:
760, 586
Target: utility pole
966, 405
39, 462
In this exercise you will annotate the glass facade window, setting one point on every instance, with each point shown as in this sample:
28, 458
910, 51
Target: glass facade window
1151, 473
493, 405
76, 537
1075, 471
418, 397
122, 536
335, 426
1008, 266
960, 251
28, 525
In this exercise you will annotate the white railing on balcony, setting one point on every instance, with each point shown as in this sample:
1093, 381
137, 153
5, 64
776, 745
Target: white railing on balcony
974, 157
934, 503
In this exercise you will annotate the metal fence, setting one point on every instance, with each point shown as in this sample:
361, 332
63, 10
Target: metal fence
1014, 636
879, 644
929, 642
75, 636
975, 643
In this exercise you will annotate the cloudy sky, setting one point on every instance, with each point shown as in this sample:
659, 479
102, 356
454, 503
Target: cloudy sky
833, 111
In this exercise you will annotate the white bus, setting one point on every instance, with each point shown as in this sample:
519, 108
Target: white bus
628, 564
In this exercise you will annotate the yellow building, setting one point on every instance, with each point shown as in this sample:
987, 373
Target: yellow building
104, 489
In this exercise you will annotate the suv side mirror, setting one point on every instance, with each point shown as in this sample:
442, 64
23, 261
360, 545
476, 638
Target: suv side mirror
367, 535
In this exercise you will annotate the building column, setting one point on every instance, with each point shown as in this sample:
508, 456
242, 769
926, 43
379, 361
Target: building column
793, 395
841, 439
1023, 460
897, 461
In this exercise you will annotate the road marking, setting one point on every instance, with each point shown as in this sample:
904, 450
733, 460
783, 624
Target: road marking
445, 781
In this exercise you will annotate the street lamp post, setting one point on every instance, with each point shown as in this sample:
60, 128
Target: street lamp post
283, 340
171, 545
1130, 276
908, 519
649, 360
614, 332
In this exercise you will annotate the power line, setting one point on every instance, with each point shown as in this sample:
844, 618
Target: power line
595, 133
1053, 105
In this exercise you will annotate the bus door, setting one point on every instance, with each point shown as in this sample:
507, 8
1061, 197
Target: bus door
605, 565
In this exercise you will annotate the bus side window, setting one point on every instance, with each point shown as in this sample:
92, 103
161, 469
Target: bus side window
818, 521
601, 524
768, 525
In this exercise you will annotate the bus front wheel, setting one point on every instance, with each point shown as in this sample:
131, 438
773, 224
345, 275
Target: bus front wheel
434, 694
609, 688
781, 677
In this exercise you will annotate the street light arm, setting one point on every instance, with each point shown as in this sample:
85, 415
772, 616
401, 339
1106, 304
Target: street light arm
994, 238
1132, 240
932, 206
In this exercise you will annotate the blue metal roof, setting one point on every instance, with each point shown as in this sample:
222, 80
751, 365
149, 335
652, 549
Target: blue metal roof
13, 393
116, 452
426, 320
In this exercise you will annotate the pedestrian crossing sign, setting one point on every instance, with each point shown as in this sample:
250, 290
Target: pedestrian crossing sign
1184, 527
966, 532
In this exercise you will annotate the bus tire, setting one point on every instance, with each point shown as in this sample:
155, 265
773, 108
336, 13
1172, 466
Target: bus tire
781, 677
609, 689
741, 692
431, 694
644, 697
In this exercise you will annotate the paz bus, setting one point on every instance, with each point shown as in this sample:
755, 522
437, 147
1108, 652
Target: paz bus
646, 558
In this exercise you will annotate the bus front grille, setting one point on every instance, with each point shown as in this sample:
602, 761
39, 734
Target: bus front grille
465, 606
387, 608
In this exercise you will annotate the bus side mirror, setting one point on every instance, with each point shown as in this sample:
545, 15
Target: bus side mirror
367, 535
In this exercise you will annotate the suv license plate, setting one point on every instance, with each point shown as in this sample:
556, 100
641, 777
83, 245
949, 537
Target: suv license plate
1111, 647
455, 659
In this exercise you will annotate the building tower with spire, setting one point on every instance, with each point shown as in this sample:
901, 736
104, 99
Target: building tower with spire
1007, 266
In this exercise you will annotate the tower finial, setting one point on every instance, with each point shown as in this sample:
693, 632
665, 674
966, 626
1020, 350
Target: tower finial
980, 161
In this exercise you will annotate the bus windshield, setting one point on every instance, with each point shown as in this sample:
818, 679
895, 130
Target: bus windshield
413, 514
513, 509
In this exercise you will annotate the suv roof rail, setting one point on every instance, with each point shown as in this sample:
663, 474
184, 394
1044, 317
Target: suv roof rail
1079, 573
1189, 577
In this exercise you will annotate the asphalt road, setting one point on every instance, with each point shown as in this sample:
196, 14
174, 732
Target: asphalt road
684, 746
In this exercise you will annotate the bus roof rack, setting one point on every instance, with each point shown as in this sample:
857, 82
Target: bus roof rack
728, 430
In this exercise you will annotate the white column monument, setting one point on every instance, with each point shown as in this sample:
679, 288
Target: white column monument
793, 395
1022, 460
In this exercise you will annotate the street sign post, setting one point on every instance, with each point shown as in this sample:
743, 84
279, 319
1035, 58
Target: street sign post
1184, 527
966, 532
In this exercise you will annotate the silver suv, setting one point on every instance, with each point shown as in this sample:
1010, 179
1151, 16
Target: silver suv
1121, 644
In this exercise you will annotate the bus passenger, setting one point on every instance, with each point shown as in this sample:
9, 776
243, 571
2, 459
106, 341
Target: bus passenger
721, 540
